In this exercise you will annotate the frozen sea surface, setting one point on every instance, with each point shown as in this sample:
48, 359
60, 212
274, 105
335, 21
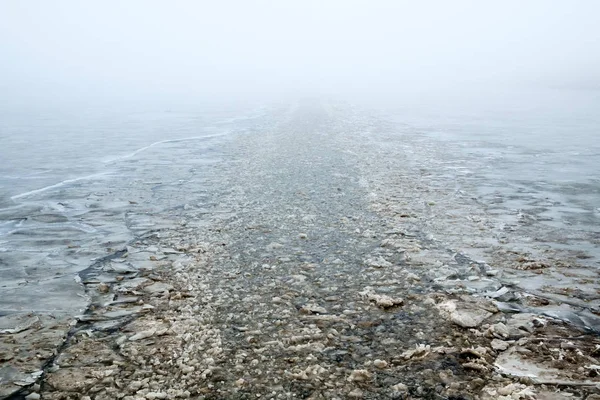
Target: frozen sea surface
45, 148
466, 206
74, 187
541, 157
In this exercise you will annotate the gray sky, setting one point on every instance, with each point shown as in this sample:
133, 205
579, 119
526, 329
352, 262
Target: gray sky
80, 49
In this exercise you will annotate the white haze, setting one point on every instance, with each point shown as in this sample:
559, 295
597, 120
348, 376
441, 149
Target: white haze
219, 51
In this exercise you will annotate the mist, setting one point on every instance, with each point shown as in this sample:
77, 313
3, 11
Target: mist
382, 51
299, 199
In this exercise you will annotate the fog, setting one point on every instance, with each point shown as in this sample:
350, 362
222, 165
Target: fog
168, 51
292, 198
